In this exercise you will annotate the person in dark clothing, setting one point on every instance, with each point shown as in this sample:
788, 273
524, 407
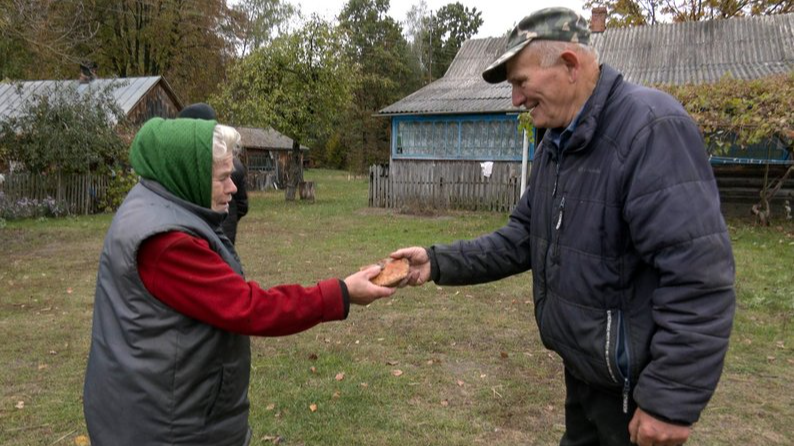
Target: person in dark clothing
170, 357
238, 207
632, 268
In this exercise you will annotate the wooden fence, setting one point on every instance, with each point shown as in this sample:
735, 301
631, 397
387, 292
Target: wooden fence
420, 184
79, 194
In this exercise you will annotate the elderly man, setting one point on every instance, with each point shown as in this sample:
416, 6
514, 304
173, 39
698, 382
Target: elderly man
632, 288
170, 355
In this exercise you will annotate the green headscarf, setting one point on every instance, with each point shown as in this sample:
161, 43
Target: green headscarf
177, 153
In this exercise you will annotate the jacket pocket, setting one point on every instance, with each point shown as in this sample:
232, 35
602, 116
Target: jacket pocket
585, 338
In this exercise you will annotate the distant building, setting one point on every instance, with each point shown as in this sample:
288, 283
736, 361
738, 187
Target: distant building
268, 156
140, 98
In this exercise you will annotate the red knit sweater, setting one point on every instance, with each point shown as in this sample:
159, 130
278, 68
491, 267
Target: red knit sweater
184, 273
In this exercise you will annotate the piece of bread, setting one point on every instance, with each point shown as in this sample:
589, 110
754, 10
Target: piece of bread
393, 272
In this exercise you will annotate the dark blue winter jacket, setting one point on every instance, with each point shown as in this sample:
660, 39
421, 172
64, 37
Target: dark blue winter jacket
631, 261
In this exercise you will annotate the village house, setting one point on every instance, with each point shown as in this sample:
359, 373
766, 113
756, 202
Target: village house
455, 143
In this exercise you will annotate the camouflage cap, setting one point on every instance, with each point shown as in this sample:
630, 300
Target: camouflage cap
561, 24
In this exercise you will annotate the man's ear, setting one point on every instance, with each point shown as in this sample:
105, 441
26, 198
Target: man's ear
572, 64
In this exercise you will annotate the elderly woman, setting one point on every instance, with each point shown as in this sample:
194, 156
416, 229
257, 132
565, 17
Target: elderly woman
170, 356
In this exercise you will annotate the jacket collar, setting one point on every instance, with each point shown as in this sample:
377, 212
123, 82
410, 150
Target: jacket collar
212, 218
608, 80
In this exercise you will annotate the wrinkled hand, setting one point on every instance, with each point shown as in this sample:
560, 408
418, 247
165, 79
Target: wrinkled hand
364, 292
419, 270
645, 430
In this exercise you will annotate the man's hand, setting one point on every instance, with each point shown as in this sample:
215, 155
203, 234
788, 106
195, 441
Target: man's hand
419, 271
645, 430
364, 292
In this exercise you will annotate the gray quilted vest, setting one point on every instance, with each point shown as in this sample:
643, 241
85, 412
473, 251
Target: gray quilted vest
155, 376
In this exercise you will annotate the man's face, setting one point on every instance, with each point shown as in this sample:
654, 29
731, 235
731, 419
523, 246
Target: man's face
222, 185
546, 92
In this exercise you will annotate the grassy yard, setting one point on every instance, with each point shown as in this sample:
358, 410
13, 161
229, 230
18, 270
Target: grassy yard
430, 366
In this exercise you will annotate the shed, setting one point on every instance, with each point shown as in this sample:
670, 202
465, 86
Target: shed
442, 133
267, 156
140, 98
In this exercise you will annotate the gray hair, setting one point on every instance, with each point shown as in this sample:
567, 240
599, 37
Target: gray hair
225, 143
549, 50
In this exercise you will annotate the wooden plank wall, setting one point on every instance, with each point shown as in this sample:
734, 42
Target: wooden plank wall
79, 194
429, 184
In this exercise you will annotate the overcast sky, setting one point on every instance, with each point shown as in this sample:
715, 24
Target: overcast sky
498, 16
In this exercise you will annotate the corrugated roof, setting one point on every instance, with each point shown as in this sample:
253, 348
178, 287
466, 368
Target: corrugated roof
127, 92
674, 53
257, 138
700, 52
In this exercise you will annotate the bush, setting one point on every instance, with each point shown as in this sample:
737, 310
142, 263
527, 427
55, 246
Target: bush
121, 181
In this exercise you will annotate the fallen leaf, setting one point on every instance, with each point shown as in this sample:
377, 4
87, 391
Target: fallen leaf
313, 357
483, 375
365, 385
780, 345
340, 376
397, 372
445, 403
313, 407
357, 342
430, 362
270, 406
770, 358
504, 355
20, 405
313, 369
43, 366
81, 440
53, 352
275, 439
336, 395
392, 363
68, 291
460, 383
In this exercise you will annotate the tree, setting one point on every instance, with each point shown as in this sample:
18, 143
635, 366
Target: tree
61, 130
623, 13
43, 38
190, 42
752, 111
295, 85
259, 21
417, 33
451, 26
388, 73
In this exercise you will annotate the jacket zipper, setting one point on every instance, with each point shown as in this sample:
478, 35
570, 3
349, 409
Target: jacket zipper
606, 347
625, 373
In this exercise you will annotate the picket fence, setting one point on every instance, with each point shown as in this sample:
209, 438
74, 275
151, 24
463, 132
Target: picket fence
419, 185
79, 194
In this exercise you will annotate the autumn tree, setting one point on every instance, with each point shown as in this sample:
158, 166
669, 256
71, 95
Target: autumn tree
190, 42
260, 21
44, 39
623, 13
295, 85
452, 25
388, 73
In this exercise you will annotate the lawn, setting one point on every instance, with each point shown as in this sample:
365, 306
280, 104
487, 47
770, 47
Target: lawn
430, 366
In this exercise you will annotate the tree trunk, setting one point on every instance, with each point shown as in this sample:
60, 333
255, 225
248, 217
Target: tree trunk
294, 171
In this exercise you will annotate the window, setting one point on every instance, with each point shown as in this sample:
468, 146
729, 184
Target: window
476, 137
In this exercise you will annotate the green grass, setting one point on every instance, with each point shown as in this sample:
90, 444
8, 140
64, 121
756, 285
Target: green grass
473, 368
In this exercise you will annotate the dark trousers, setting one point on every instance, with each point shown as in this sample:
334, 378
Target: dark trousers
594, 417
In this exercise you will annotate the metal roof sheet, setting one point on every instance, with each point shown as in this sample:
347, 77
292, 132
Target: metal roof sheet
673, 53
126, 92
258, 138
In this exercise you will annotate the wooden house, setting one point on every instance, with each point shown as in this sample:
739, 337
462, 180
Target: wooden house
447, 136
267, 154
140, 98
